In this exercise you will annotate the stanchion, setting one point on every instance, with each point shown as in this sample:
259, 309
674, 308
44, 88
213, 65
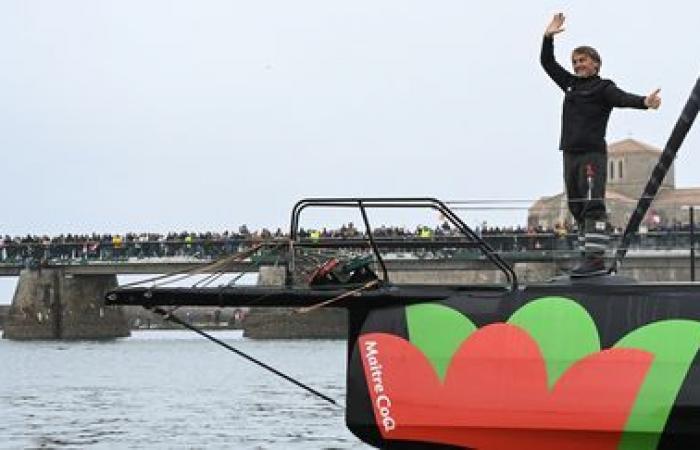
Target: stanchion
691, 213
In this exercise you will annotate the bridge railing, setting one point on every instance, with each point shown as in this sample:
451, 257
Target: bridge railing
77, 252
548, 245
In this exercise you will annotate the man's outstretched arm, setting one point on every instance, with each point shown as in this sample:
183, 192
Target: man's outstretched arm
618, 98
555, 71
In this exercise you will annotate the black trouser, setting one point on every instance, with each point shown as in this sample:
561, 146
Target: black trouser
585, 175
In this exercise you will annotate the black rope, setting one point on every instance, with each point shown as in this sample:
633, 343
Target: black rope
207, 280
172, 317
235, 279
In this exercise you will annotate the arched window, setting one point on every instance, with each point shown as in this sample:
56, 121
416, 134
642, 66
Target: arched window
619, 168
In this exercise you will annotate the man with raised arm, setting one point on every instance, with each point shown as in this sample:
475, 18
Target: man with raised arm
588, 102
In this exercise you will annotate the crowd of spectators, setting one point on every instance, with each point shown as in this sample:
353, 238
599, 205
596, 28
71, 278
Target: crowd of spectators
211, 245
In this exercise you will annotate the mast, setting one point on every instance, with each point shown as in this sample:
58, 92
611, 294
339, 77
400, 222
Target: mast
680, 130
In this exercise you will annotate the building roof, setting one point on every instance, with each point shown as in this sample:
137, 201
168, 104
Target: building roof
542, 203
631, 146
614, 195
680, 197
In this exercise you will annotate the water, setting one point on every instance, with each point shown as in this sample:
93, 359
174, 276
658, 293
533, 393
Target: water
170, 389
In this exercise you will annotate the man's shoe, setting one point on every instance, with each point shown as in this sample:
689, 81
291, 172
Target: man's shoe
589, 267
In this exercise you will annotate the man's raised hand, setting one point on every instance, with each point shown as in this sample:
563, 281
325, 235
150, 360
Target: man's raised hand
555, 26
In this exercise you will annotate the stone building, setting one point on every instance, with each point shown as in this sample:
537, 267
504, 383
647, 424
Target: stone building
630, 164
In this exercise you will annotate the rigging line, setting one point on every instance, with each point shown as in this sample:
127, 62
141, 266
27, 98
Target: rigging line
190, 271
490, 208
288, 312
215, 267
307, 309
173, 280
212, 278
172, 317
204, 282
235, 279
231, 283
186, 272
173, 309
495, 200
156, 278
502, 201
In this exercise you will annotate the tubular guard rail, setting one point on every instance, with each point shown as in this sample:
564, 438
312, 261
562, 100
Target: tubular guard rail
419, 202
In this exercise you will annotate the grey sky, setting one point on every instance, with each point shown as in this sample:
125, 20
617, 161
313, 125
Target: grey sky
128, 115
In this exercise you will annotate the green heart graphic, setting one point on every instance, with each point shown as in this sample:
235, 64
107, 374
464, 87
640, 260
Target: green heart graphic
437, 331
565, 319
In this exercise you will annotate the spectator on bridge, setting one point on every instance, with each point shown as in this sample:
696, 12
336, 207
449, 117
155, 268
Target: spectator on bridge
424, 232
117, 242
188, 245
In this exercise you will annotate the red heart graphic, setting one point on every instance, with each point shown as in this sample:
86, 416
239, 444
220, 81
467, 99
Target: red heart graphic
495, 393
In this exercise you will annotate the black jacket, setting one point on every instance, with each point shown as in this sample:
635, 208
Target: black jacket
587, 104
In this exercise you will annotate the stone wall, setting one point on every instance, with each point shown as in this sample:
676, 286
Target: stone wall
286, 323
643, 269
48, 304
4, 310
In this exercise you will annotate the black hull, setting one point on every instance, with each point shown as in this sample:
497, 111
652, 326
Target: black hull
613, 307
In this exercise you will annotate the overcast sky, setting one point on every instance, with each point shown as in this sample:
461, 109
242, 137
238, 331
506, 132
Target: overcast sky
163, 115
202, 115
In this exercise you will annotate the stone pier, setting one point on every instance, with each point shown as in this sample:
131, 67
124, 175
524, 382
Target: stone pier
50, 304
286, 323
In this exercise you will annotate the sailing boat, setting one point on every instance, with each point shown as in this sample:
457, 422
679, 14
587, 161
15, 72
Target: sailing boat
593, 363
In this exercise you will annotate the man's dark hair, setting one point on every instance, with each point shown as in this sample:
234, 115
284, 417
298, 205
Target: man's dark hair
590, 52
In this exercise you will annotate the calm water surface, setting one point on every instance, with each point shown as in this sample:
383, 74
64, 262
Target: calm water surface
170, 389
